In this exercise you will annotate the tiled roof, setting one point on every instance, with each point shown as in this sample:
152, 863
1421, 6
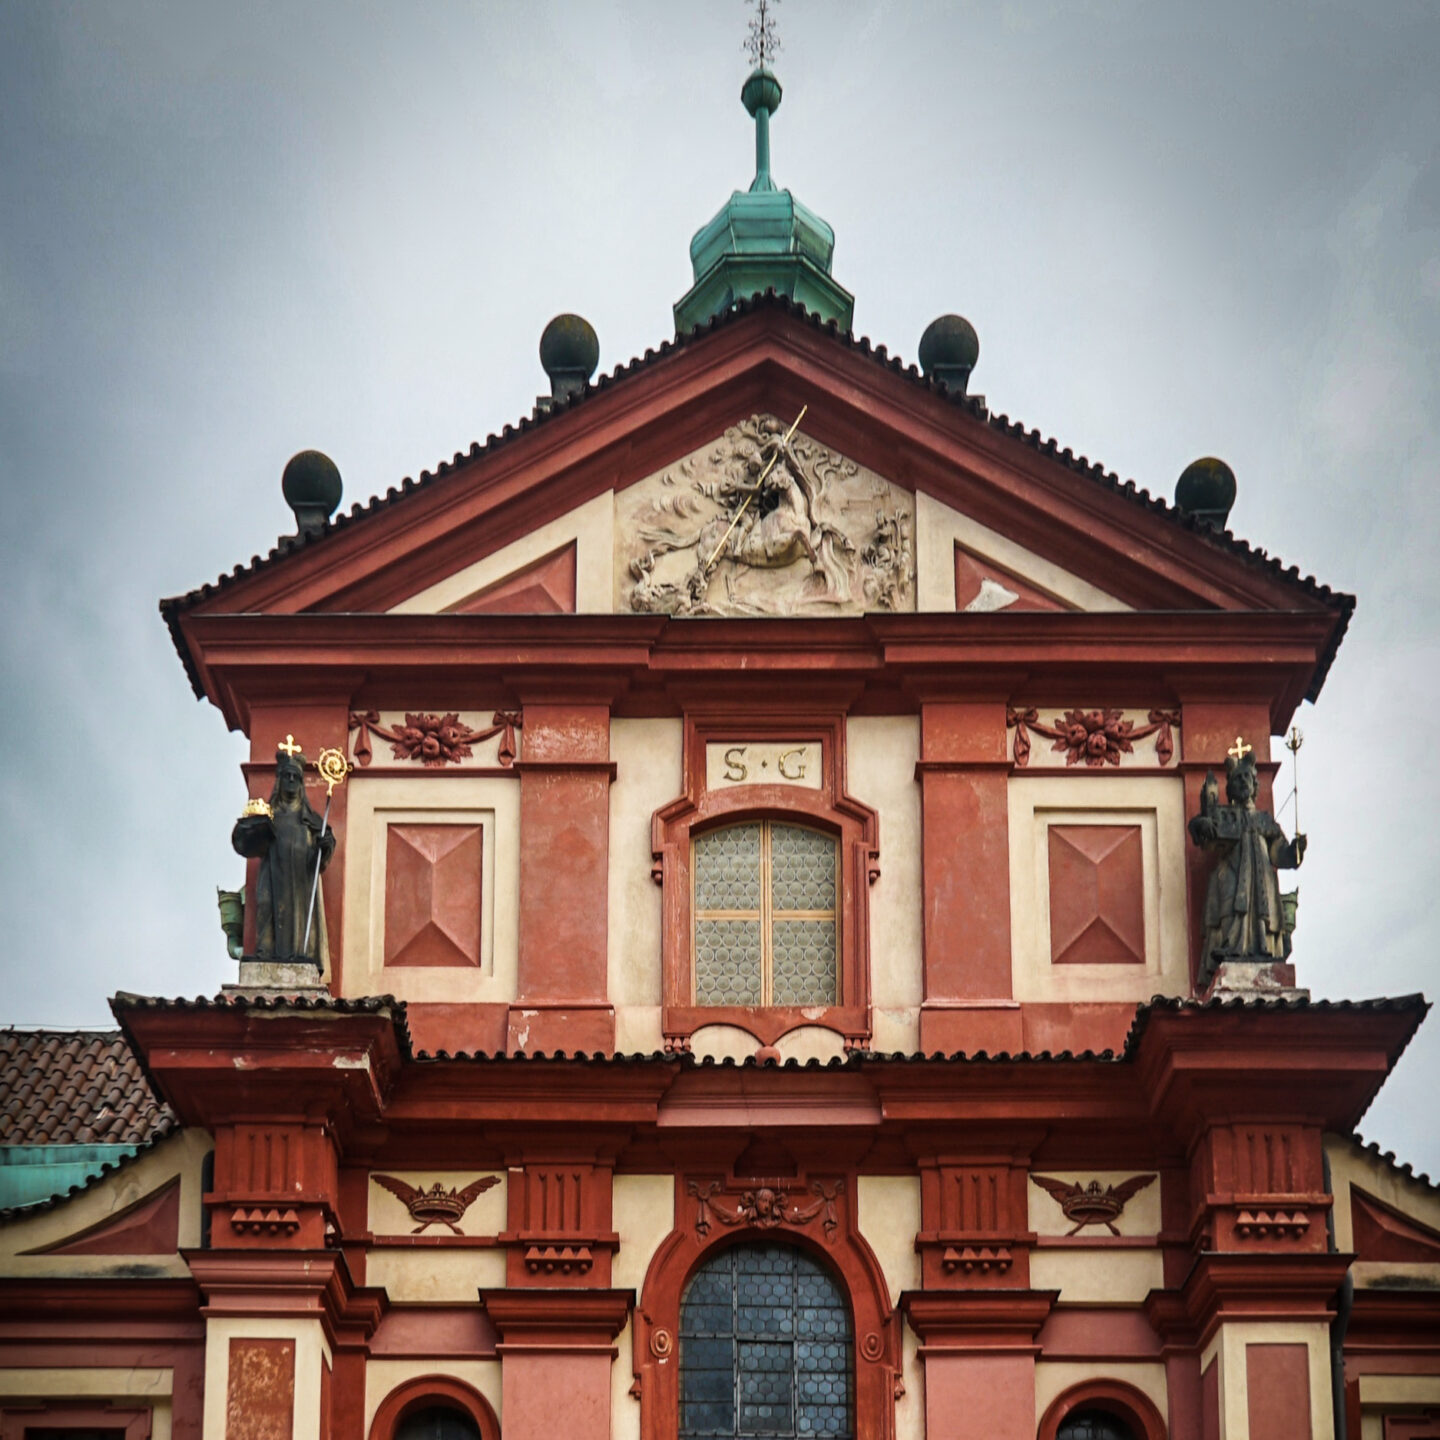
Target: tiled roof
68, 1087
1387, 1158
323, 1003
171, 609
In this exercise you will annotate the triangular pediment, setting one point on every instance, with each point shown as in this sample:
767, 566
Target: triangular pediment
894, 495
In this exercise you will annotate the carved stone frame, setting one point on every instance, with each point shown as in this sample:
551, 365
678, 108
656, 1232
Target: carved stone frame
830, 808
817, 1213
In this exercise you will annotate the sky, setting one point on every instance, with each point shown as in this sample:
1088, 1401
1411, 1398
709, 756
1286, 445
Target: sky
229, 233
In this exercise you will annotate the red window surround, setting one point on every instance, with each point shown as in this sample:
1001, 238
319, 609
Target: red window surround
124, 1422
1113, 1397
827, 808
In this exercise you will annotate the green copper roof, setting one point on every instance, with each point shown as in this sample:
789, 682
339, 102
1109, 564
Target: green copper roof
763, 238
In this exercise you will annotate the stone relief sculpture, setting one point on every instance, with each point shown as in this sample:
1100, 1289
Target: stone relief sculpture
759, 524
1246, 917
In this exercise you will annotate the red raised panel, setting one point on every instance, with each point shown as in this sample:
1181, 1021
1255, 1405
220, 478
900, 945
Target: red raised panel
260, 1399
432, 894
971, 573
1097, 895
1279, 1391
544, 587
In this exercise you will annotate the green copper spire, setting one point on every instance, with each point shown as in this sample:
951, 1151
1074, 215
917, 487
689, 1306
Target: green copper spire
763, 238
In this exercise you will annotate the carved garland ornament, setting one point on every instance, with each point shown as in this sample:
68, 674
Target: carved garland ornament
434, 740
1092, 737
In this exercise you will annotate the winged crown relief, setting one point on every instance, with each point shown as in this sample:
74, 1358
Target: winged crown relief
437, 1205
765, 522
1089, 1204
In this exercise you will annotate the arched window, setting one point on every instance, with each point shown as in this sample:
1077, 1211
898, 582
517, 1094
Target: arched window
1093, 1425
437, 1422
766, 1348
765, 915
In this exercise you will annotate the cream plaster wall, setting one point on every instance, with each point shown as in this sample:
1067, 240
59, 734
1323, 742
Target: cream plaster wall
648, 756
882, 752
485, 1215
1141, 1215
1054, 1377
643, 1212
910, 1408
1156, 805
1227, 1348
889, 1215
383, 1376
722, 1042
938, 527
376, 802
127, 1383
181, 1155
1351, 1165
420, 1275
591, 526
312, 1354
1099, 1276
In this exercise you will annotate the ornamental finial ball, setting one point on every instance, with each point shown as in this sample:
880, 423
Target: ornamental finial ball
569, 353
1206, 489
312, 488
949, 350
761, 91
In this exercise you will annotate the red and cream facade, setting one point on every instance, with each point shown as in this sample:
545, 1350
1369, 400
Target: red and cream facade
512, 997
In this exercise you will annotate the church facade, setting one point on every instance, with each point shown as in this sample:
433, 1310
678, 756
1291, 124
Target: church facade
799, 949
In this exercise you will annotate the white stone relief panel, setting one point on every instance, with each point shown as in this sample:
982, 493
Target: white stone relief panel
762, 522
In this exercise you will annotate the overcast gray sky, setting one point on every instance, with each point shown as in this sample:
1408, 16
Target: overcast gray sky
231, 232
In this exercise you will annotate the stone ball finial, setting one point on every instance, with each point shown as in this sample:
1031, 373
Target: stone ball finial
1206, 490
949, 350
312, 488
761, 91
569, 353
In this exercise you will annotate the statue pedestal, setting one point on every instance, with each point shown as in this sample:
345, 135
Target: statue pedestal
269, 977
1269, 979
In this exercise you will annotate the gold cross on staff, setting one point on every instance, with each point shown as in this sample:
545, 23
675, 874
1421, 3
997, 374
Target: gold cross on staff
289, 747
1239, 750
754, 492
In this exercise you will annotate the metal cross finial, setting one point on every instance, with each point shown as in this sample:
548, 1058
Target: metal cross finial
762, 44
1239, 750
289, 747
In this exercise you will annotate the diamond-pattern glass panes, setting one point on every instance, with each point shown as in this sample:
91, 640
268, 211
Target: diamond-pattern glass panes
765, 915
765, 1349
1093, 1425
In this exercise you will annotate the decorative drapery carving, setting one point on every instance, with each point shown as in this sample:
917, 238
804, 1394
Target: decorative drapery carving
768, 1205
1092, 737
433, 740
759, 524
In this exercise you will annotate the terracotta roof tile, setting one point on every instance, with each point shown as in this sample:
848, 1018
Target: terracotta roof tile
171, 609
75, 1087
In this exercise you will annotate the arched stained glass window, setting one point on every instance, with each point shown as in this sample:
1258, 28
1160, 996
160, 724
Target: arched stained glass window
766, 1349
437, 1422
765, 915
1093, 1425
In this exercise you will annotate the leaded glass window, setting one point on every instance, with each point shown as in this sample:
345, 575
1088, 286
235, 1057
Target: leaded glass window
765, 915
1093, 1425
766, 1349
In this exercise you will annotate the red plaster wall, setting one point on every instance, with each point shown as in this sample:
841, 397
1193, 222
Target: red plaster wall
989, 1396
260, 1399
556, 1394
1210, 1402
564, 844
1278, 1382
